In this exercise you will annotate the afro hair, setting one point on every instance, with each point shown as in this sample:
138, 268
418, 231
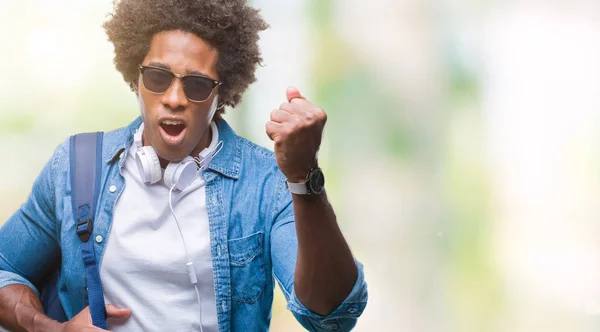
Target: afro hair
231, 26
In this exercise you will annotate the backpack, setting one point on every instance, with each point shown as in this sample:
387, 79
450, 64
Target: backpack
85, 159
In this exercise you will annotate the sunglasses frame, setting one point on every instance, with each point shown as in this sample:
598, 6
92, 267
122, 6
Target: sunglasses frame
215, 83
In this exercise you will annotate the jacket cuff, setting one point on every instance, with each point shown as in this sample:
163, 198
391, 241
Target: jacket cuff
345, 314
9, 278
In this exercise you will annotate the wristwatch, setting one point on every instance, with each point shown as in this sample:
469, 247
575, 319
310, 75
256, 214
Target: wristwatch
314, 184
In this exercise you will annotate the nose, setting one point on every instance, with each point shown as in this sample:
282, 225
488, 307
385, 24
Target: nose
174, 98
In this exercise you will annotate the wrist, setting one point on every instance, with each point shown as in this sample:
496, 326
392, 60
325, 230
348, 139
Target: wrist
31, 319
43, 323
300, 176
312, 184
295, 179
46, 324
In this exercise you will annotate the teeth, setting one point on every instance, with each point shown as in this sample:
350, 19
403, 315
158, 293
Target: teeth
172, 122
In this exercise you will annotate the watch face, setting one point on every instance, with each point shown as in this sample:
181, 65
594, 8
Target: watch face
316, 181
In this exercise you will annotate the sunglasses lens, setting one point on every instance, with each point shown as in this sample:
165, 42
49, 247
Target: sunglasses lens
197, 88
156, 80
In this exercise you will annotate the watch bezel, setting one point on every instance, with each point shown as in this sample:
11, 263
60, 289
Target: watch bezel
310, 179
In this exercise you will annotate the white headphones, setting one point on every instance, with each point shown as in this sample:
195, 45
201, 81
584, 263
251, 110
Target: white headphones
177, 175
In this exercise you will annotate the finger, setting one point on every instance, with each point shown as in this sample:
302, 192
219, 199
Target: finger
316, 113
291, 108
292, 93
281, 116
302, 102
273, 129
307, 113
301, 108
116, 312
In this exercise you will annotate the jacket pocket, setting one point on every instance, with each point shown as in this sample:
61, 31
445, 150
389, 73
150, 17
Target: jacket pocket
248, 277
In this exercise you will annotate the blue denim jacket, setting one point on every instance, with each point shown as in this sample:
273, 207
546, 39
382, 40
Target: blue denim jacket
252, 234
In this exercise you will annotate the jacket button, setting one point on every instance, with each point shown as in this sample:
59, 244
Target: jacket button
218, 250
99, 239
223, 306
112, 188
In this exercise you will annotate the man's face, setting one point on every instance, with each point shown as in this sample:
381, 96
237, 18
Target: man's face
181, 53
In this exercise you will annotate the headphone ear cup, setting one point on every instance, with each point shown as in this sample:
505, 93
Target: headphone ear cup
148, 164
181, 174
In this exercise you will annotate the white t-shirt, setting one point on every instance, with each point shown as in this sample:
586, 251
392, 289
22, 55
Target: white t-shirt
144, 265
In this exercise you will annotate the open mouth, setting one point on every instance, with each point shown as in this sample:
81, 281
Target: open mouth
172, 131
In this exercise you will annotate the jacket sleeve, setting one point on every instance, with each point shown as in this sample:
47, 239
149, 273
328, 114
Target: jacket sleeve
29, 239
284, 249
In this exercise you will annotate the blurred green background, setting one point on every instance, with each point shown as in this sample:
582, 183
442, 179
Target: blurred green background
461, 151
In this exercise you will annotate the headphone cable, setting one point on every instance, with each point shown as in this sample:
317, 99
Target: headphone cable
189, 265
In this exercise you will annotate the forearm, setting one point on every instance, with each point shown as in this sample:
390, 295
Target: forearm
325, 269
21, 310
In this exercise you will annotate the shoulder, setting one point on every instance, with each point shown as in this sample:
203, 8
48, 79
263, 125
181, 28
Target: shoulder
113, 142
117, 140
258, 160
253, 165
240, 158
253, 150
259, 168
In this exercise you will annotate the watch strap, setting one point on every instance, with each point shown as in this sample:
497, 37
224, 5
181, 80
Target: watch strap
298, 188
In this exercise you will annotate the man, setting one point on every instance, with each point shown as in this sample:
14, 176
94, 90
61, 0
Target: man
248, 218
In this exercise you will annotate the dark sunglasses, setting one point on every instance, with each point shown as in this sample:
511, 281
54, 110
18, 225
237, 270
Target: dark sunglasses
195, 87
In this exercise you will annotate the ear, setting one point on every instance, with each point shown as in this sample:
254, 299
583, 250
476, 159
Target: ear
219, 109
134, 87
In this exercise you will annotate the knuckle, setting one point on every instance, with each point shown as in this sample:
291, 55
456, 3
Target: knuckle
324, 117
269, 128
289, 131
310, 116
321, 113
297, 125
296, 120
